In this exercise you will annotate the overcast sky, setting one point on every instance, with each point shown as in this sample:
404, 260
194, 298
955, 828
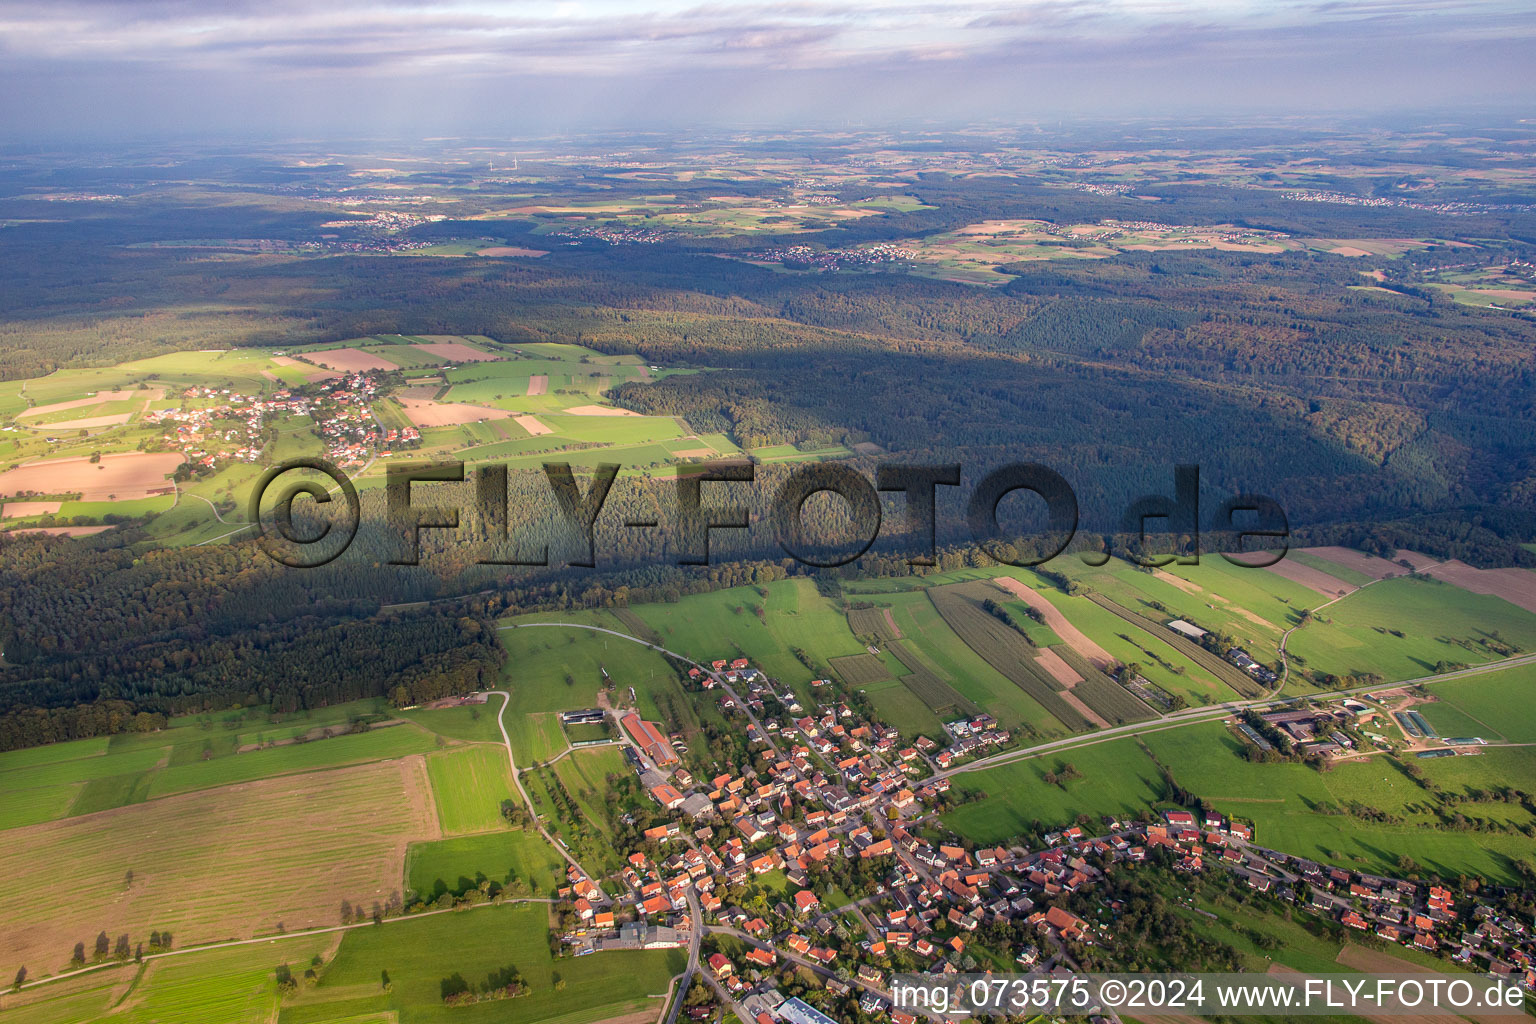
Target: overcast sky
93, 67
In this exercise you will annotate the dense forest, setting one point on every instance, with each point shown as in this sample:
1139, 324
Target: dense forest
1381, 417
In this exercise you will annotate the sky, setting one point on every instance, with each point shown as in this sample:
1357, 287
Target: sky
88, 68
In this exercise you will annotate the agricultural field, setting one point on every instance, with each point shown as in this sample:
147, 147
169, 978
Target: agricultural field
1511, 286
1499, 706
860, 669
468, 785
1401, 628
85, 776
763, 624
76, 438
419, 954
299, 845
237, 985
972, 254
929, 641
506, 857
1289, 804
960, 605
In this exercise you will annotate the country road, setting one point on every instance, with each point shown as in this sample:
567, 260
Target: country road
1192, 716
187, 950
501, 723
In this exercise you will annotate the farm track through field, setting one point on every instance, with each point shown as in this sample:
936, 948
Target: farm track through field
188, 950
1223, 670
927, 687
1002, 647
533, 812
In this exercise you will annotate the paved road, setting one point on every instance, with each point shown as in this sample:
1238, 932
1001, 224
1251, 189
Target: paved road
1179, 719
501, 723
1196, 716
682, 982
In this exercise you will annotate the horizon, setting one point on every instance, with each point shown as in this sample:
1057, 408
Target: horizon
91, 69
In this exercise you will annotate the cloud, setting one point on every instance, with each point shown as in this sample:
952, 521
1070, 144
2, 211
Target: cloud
858, 56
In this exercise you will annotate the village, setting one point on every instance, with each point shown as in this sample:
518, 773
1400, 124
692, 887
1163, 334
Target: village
843, 818
218, 426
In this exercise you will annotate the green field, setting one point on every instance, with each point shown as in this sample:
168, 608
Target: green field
1496, 706
726, 624
476, 722
1439, 622
419, 954
232, 986
929, 639
375, 745
500, 856
468, 785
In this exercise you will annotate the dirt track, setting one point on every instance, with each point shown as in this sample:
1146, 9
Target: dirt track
1314, 579
1070, 634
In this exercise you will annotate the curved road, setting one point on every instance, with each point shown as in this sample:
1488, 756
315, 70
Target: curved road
501, 723
1193, 716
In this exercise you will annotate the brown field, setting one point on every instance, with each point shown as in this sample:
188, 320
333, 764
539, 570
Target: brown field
86, 422
129, 475
1316, 579
1083, 709
695, 453
532, 425
1059, 670
18, 509
1413, 558
599, 410
1379, 961
1376, 568
511, 250
96, 399
1517, 586
350, 360
1070, 634
455, 352
1176, 581
63, 531
1279, 969
538, 384
1348, 250
425, 412
224, 863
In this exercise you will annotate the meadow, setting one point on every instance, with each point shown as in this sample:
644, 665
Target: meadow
298, 845
237, 985
468, 785
419, 954
1437, 622
501, 856
743, 622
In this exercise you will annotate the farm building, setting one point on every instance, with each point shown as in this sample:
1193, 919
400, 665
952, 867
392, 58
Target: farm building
650, 739
1187, 629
